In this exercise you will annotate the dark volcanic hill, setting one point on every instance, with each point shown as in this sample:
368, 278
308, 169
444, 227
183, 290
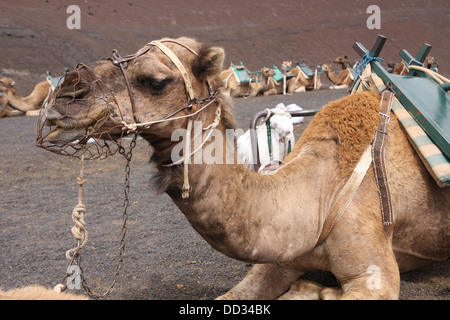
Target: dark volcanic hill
34, 36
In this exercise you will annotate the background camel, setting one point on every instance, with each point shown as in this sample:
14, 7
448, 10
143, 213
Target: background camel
24, 104
293, 84
279, 218
302, 82
402, 70
340, 80
252, 89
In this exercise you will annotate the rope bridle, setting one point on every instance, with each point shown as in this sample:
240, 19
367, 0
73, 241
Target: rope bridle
192, 102
79, 231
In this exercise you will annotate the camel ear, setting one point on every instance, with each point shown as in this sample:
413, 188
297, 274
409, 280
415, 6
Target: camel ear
208, 63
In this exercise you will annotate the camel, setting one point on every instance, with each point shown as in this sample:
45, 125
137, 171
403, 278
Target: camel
36, 292
28, 104
252, 89
402, 70
272, 221
302, 82
341, 80
293, 84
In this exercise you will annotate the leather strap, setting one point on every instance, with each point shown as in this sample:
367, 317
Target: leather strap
373, 154
178, 64
346, 195
379, 165
122, 62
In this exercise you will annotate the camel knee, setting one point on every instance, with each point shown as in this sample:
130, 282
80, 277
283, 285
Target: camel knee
264, 281
366, 289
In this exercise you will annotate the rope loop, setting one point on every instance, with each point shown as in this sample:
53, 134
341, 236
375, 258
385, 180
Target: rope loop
366, 59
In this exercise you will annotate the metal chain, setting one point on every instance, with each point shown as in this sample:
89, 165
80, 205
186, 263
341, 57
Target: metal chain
76, 259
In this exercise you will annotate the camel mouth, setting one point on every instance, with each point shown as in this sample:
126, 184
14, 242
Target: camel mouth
93, 135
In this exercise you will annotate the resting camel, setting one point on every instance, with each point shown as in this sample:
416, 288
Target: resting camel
234, 89
341, 80
272, 221
402, 70
24, 104
292, 85
302, 83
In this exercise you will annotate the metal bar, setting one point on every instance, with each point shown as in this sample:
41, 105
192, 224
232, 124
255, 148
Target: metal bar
263, 114
423, 53
376, 47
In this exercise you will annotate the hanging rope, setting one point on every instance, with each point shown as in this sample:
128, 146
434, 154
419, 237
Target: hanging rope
81, 235
78, 230
366, 59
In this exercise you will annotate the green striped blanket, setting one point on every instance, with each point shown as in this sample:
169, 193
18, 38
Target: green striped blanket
437, 164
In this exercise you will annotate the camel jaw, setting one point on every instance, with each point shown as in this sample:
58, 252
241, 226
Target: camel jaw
93, 135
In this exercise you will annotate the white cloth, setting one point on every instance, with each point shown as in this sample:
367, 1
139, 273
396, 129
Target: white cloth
282, 135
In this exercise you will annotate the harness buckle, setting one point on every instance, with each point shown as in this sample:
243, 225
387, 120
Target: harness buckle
118, 60
388, 117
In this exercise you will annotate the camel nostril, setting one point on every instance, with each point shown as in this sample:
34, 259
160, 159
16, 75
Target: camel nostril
51, 117
77, 91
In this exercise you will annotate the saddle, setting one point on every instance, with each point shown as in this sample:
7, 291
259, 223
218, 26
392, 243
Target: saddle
432, 156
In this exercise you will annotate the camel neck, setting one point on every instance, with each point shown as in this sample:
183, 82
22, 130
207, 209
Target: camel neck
30, 102
334, 78
249, 216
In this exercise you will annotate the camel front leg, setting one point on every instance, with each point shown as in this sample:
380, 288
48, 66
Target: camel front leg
364, 264
377, 283
264, 281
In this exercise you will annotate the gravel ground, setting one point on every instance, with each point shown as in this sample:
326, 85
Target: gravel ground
164, 257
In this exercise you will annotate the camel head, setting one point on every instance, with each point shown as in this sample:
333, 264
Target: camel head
326, 67
286, 66
6, 84
94, 103
428, 62
267, 72
6, 88
342, 60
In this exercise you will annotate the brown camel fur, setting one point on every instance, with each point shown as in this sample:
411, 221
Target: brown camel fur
274, 221
340, 80
253, 89
31, 102
36, 292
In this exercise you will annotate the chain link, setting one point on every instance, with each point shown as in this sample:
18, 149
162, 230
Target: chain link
76, 259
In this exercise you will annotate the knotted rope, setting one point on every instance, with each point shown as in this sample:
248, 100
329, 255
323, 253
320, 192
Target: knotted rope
366, 59
78, 230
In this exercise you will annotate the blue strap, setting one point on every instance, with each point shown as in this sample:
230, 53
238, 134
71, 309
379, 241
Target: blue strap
366, 59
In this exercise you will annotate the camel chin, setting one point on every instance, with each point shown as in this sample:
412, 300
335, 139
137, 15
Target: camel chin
75, 136
60, 136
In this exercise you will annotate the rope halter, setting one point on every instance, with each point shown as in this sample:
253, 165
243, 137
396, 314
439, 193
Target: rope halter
122, 62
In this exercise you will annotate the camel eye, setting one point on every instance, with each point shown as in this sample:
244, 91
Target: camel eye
153, 84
